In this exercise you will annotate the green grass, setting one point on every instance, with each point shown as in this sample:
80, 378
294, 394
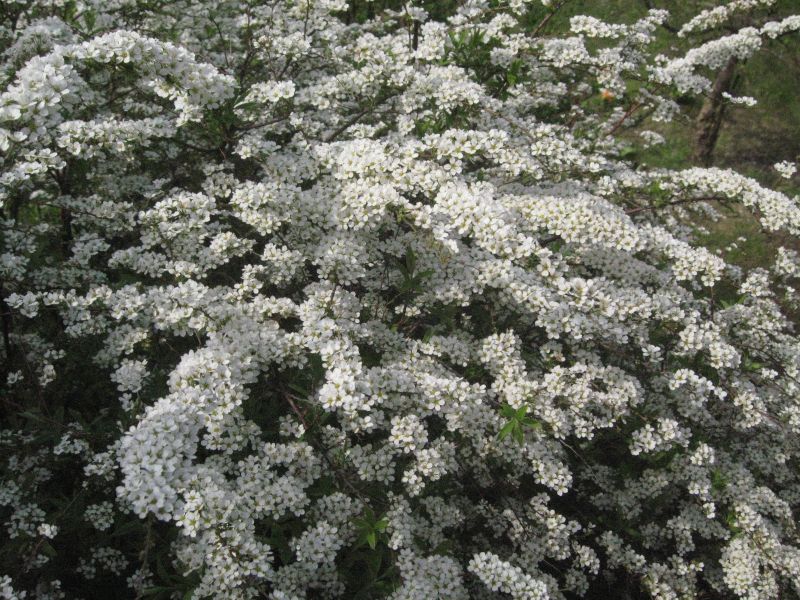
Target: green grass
757, 249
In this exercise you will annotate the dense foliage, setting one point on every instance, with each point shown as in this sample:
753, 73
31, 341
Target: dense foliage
309, 299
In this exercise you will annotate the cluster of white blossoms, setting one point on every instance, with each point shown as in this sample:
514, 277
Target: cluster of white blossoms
334, 299
711, 18
786, 169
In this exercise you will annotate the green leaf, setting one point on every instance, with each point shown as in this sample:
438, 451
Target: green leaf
382, 524
247, 105
445, 548
752, 365
280, 544
297, 388
422, 275
411, 260
506, 430
156, 590
126, 528
372, 539
48, 549
507, 411
519, 435
374, 560
89, 18
33, 416
161, 570
533, 424
718, 480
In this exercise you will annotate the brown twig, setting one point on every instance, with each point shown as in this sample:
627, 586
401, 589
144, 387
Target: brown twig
634, 107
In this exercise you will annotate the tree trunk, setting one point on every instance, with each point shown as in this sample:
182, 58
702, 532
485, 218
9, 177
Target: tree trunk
709, 120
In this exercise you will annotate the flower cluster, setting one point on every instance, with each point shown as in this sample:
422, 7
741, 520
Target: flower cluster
309, 299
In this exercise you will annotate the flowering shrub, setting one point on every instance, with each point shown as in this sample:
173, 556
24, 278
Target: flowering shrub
309, 300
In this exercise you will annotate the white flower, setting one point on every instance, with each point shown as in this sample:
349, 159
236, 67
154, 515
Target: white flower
786, 169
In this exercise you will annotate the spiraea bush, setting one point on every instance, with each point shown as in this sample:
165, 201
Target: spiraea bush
303, 299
